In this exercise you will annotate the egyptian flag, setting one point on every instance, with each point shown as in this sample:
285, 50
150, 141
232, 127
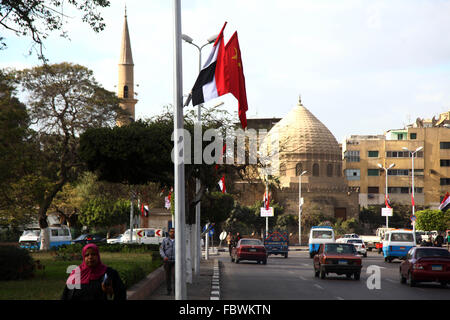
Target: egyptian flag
222, 184
266, 200
445, 202
387, 201
210, 82
144, 210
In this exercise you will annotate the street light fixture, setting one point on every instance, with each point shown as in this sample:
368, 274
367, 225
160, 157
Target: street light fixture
197, 207
413, 205
300, 205
386, 193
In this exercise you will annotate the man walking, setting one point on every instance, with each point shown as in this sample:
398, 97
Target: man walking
167, 252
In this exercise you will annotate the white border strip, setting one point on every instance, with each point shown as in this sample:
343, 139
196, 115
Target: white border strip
215, 286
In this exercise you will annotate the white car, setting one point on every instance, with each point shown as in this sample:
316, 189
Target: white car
358, 243
117, 239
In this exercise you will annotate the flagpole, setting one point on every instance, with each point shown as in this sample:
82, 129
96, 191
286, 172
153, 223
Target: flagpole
180, 236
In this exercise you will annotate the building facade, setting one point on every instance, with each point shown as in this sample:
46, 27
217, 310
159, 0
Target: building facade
363, 156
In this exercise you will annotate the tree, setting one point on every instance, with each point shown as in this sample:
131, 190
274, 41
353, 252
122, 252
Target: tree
38, 18
429, 220
100, 212
16, 156
64, 100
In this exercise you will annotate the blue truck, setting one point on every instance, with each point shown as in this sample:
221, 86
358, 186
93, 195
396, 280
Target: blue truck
277, 242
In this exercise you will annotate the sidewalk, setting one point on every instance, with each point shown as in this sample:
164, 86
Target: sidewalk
201, 288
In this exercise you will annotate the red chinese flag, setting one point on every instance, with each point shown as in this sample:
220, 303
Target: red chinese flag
234, 77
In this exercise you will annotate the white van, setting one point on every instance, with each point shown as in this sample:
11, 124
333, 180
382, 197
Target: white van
145, 236
319, 235
59, 235
397, 243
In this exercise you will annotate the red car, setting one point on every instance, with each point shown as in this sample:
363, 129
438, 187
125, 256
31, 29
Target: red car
249, 249
426, 264
339, 258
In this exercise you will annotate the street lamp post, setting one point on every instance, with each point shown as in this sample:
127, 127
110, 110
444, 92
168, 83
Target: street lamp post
412, 182
197, 252
300, 206
386, 192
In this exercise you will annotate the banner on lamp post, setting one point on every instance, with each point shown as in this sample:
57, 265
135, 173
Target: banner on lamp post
267, 212
386, 212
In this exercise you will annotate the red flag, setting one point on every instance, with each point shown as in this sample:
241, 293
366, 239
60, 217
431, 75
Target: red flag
412, 200
266, 200
386, 201
234, 77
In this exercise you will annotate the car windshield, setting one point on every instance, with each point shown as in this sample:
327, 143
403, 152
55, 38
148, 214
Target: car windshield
402, 237
420, 253
31, 233
82, 237
250, 242
337, 248
354, 241
322, 234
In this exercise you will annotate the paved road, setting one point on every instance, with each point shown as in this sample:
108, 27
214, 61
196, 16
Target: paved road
293, 279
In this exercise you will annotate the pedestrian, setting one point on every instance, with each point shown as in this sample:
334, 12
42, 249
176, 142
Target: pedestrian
167, 251
92, 280
229, 242
439, 240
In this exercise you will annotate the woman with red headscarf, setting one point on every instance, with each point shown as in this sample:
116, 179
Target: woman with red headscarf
92, 280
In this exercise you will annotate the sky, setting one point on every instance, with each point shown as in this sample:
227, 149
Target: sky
360, 66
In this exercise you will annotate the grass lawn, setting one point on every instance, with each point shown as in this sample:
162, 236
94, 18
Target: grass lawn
49, 284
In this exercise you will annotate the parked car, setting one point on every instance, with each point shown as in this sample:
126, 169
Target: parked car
339, 258
117, 239
58, 235
30, 239
249, 249
358, 243
426, 264
89, 238
144, 236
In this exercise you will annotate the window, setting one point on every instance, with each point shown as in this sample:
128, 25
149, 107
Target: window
398, 172
402, 237
403, 154
329, 170
315, 170
338, 170
373, 190
282, 169
445, 145
351, 156
413, 136
404, 190
54, 232
352, 174
125, 91
445, 163
373, 172
445, 181
373, 154
400, 136
298, 169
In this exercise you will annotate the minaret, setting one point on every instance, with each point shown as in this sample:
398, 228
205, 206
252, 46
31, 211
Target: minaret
126, 77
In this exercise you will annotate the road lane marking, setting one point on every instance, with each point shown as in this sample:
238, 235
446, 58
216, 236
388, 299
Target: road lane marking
303, 278
391, 281
318, 287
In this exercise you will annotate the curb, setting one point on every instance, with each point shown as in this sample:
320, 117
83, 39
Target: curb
147, 286
215, 282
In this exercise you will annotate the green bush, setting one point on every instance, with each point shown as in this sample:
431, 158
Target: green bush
15, 263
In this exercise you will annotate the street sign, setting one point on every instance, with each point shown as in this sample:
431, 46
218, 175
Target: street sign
140, 234
158, 232
267, 213
413, 218
386, 212
211, 232
223, 235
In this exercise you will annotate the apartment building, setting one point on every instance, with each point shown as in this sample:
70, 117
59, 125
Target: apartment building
367, 158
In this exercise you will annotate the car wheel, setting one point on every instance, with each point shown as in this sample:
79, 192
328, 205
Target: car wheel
316, 273
311, 255
236, 260
322, 273
348, 275
285, 255
264, 261
357, 275
443, 284
411, 281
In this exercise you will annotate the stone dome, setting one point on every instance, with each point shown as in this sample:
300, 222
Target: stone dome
300, 132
